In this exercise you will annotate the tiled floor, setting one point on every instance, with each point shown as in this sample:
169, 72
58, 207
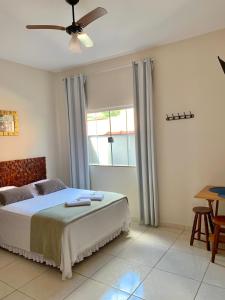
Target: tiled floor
147, 264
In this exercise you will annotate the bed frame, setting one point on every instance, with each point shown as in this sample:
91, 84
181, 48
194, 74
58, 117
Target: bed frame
22, 172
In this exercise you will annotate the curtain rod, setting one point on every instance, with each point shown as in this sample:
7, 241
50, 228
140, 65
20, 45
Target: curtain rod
105, 71
112, 69
115, 68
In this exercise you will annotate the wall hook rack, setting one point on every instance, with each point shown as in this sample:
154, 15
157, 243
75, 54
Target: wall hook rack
178, 116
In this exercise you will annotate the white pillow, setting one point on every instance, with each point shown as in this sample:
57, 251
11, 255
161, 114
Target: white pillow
5, 188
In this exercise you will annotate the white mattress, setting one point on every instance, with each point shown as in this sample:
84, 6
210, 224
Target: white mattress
79, 237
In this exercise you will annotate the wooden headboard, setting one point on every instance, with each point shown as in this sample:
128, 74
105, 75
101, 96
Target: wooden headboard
22, 172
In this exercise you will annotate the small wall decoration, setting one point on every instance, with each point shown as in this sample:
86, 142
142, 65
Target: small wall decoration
9, 124
178, 116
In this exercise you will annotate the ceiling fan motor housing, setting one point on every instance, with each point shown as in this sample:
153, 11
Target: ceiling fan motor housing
72, 2
74, 28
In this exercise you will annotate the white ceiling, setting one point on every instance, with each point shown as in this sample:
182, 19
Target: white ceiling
129, 26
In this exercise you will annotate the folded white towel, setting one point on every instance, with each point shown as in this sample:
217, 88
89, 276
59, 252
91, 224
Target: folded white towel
79, 202
93, 196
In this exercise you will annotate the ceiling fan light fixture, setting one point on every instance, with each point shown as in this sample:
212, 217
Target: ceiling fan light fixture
74, 44
85, 40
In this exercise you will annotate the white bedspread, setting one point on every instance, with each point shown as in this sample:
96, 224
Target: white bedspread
79, 239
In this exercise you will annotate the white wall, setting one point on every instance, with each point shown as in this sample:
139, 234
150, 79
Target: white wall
190, 153
29, 92
118, 179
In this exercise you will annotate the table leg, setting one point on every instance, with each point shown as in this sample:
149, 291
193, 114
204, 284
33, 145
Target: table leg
210, 202
217, 208
211, 223
211, 206
199, 226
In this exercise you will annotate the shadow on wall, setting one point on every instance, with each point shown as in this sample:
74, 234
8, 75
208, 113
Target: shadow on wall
222, 63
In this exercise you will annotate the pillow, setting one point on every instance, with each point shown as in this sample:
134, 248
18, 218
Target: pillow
50, 186
15, 195
5, 188
32, 187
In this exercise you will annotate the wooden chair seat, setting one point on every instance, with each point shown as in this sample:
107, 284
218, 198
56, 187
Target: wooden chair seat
202, 210
218, 237
219, 220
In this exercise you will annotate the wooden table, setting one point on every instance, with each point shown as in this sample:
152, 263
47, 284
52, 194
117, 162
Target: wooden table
210, 197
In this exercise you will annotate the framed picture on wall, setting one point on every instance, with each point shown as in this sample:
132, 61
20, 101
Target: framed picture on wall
9, 124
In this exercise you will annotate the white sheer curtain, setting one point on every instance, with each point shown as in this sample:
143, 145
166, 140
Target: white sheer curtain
145, 144
76, 105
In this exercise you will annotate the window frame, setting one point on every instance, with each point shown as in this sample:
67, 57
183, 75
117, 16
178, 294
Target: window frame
111, 108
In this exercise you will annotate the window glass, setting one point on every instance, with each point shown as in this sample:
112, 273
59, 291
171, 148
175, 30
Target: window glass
103, 123
119, 150
91, 124
93, 150
111, 137
104, 151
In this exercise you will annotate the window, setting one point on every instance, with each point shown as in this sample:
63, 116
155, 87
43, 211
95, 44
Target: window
111, 137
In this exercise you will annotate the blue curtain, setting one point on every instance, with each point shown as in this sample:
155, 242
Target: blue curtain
145, 142
76, 105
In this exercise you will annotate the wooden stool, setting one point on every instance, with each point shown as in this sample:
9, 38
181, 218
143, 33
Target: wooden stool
217, 237
206, 213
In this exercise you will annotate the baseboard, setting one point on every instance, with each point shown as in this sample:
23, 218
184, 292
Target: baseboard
162, 224
176, 226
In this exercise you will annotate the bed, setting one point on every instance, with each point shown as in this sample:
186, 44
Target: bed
91, 229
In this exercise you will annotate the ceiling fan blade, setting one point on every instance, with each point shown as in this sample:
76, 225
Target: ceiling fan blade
92, 16
55, 27
85, 40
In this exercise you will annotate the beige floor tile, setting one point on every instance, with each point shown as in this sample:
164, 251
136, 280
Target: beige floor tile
92, 264
220, 259
50, 286
5, 290
215, 275
198, 248
17, 296
136, 230
20, 272
122, 274
92, 290
6, 258
168, 230
209, 292
186, 234
163, 239
117, 245
178, 230
185, 264
161, 285
142, 252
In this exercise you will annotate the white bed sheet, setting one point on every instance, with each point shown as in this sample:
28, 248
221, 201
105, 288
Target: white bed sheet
79, 239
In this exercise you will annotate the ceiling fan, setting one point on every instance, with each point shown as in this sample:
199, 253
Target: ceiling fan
78, 37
